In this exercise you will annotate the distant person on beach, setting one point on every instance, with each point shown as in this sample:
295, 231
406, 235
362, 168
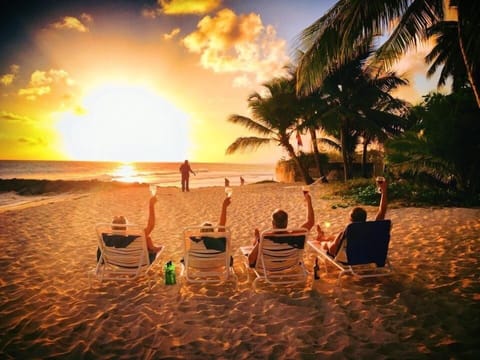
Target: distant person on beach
185, 170
121, 220
280, 221
242, 181
227, 182
333, 244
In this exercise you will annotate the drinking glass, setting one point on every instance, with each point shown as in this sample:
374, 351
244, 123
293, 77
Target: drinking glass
153, 189
228, 191
379, 180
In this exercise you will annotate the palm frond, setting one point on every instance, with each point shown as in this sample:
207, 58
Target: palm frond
247, 143
338, 36
411, 29
250, 124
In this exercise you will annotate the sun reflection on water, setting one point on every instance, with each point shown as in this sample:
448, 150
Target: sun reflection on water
126, 173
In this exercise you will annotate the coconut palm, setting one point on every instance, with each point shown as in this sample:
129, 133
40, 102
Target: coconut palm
349, 25
446, 54
274, 118
449, 156
360, 104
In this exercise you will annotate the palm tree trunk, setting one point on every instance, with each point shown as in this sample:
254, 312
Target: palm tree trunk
364, 157
472, 79
316, 152
345, 155
303, 171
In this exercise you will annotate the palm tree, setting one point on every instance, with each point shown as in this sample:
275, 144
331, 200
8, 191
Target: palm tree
446, 54
347, 28
274, 118
445, 155
312, 108
361, 105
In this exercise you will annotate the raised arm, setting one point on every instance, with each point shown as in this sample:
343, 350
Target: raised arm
310, 214
382, 208
223, 214
151, 216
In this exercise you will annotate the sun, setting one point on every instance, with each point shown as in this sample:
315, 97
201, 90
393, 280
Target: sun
123, 122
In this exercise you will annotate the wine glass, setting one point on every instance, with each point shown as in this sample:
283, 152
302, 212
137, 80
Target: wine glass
228, 191
153, 189
379, 180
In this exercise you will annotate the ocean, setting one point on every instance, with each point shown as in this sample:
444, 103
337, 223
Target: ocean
162, 174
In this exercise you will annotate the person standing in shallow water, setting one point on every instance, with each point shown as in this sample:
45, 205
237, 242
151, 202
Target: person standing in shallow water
185, 171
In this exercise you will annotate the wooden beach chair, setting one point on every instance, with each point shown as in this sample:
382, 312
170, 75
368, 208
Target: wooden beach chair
280, 257
366, 247
207, 255
123, 253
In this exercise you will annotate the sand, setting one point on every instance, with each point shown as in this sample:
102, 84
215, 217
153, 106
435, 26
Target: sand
428, 309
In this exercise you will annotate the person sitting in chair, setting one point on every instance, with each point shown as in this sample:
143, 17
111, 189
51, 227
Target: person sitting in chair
210, 227
121, 220
332, 244
280, 221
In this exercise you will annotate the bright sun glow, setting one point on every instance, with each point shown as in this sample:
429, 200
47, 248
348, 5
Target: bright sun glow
121, 122
125, 173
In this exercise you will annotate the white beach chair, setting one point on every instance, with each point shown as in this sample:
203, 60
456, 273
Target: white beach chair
280, 257
207, 255
366, 249
123, 254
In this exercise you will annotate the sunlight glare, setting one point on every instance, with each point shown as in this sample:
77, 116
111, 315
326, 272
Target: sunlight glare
125, 123
126, 173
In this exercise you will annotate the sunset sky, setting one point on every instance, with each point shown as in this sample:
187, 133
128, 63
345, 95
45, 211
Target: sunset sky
144, 80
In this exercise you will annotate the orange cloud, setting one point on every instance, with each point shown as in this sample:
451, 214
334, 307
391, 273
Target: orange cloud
238, 43
171, 34
9, 116
40, 82
8, 78
32, 141
177, 7
72, 23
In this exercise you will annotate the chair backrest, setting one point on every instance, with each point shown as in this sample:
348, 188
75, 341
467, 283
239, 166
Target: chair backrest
281, 249
367, 242
206, 247
125, 248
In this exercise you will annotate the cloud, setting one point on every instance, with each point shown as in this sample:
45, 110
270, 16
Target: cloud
171, 34
32, 141
181, 7
72, 23
231, 43
8, 116
41, 81
7, 79
177, 7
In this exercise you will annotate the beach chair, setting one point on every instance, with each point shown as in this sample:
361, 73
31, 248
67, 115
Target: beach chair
366, 247
280, 257
207, 255
123, 254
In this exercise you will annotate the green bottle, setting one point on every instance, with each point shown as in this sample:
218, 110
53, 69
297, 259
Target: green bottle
169, 271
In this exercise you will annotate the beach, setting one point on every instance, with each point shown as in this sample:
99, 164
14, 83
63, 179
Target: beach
429, 308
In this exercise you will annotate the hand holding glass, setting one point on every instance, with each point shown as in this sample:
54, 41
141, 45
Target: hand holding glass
379, 180
228, 191
153, 189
